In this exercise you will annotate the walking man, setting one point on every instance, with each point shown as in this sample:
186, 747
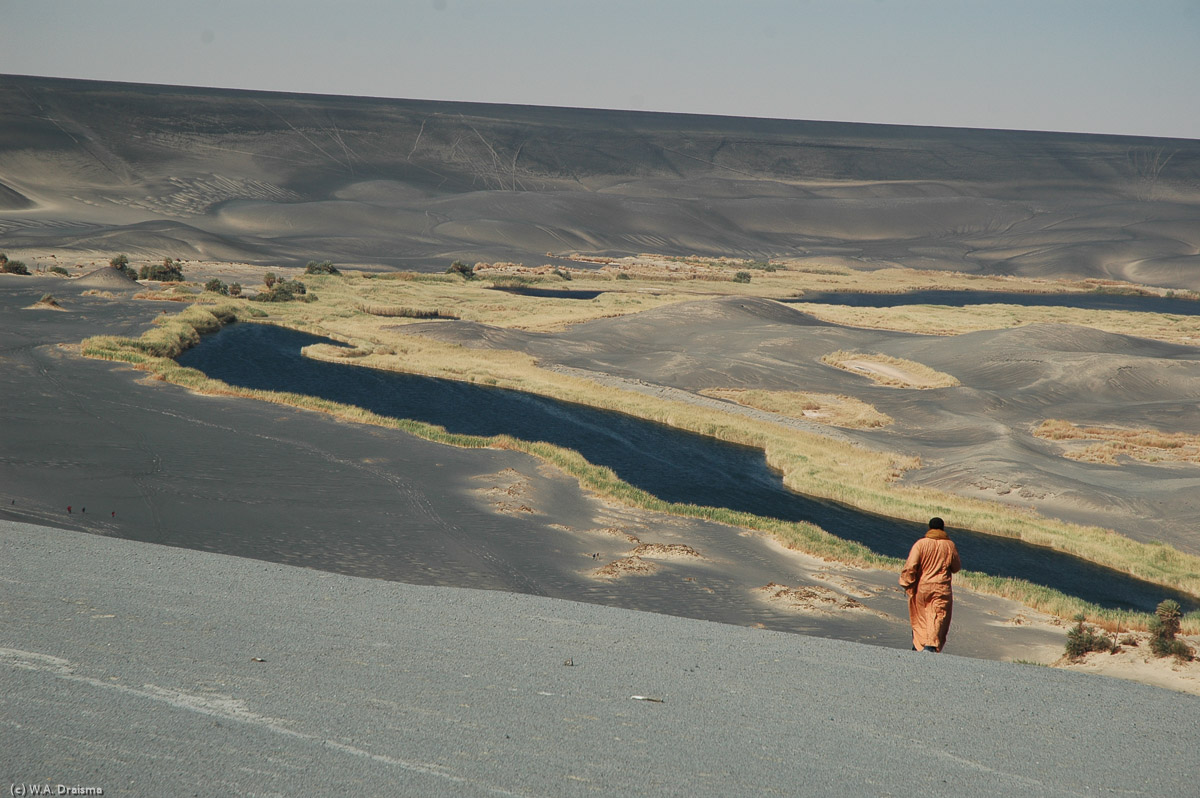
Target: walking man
926, 580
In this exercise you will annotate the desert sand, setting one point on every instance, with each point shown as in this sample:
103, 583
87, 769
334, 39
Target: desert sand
143, 683
236, 184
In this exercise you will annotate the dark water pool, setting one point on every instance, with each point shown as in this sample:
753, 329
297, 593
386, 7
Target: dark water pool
674, 465
566, 293
1097, 301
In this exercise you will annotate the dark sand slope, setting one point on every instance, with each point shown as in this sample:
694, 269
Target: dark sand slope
138, 683
975, 439
270, 483
224, 175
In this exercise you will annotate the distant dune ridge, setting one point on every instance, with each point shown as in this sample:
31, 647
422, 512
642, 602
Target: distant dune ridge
266, 177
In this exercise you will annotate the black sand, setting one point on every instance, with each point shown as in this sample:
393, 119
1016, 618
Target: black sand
146, 670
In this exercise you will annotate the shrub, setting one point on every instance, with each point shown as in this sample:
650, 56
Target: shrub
466, 270
623, 276
269, 279
121, 264
741, 277
324, 267
235, 289
563, 273
12, 266
1163, 628
216, 286
168, 271
59, 270
1082, 639
285, 291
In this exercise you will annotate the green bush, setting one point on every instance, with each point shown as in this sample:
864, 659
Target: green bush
12, 266
1163, 628
59, 270
121, 264
465, 270
269, 279
623, 276
741, 277
1082, 639
324, 267
216, 286
235, 289
562, 273
169, 271
285, 291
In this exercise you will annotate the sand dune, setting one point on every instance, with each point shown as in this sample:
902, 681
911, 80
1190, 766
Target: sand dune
274, 178
107, 278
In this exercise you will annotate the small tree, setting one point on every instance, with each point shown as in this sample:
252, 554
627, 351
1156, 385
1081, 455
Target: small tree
741, 277
269, 280
216, 286
1163, 628
466, 270
235, 289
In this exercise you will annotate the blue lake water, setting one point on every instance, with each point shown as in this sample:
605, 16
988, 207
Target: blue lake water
674, 465
1087, 301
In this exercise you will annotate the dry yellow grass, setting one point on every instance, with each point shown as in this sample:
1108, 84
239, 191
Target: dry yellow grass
943, 320
893, 372
824, 408
1106, 444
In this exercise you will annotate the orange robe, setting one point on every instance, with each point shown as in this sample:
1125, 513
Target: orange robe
926, 579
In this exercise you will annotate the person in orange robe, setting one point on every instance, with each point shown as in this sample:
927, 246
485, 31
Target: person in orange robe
926, 580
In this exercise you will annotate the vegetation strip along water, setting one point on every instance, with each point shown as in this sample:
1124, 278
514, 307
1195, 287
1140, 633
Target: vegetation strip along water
673, 465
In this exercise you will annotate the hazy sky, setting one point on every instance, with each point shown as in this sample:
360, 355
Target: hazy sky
1078, 65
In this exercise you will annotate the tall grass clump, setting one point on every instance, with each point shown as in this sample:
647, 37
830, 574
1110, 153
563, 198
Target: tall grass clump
400, 311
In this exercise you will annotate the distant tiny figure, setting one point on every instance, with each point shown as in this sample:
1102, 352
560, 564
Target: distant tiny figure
114, 513
83, 509
68, 509
926, 580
